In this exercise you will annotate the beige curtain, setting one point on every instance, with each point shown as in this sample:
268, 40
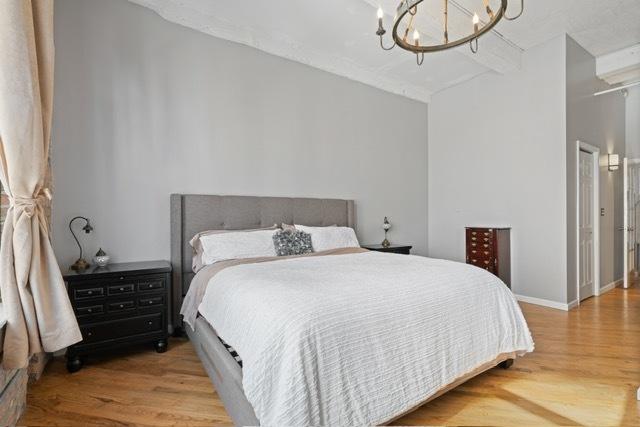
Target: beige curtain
39, 315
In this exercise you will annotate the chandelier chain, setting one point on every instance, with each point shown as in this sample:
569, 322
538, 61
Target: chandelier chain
386, 48
446, 21
471, 45
518, 15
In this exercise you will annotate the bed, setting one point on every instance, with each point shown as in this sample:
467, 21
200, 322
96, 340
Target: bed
346, 348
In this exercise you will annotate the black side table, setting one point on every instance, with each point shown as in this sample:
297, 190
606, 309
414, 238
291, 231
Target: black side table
118, 305
396, 249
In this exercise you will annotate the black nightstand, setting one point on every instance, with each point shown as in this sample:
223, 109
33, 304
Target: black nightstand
118, 305
396, 249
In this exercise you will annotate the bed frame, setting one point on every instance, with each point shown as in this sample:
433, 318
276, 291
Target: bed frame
192, 213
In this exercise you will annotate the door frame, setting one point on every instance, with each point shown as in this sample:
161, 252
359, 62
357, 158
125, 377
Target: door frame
595, 154
625, 220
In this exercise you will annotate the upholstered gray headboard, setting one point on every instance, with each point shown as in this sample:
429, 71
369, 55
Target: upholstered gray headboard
192, 213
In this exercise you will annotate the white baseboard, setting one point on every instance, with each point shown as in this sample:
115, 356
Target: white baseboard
546, 302
574, 303
610, 286
561, 305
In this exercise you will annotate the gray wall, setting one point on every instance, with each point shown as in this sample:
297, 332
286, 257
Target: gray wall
496, 157
599, 121
145, 108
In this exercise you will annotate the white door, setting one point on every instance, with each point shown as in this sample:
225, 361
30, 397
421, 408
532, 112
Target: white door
625, 222
634, 217
585, 215
631, 198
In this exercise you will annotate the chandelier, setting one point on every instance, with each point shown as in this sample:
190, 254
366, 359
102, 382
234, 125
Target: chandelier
404, 23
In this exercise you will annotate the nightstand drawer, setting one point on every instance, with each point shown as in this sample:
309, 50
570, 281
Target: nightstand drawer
115, 307
88, 293
122, 328
150, 285
150, 301
121, 289
89, 310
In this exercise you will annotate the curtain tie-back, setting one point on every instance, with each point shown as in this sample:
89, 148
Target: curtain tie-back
29, 205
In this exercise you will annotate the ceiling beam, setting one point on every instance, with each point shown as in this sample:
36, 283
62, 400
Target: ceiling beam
622, 66
496, 51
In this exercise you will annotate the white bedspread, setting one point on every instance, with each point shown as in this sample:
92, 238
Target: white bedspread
358, 338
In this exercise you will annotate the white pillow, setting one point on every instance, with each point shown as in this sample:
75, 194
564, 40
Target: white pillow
219, 247
325, 238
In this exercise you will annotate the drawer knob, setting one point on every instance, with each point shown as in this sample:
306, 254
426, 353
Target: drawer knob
150, 302
89, 310
89, 292
121, 305
89, 334
474, 260
121, 278
149, 323
122, 289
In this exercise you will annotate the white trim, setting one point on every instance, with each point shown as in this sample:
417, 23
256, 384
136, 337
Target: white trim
595, 152
573, 304
610, 286
561, 305
625, 223
545, 302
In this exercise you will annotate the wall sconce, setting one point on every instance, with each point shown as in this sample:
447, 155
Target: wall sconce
613, 162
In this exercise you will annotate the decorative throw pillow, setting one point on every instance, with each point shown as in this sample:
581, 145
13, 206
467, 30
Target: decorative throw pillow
292, 243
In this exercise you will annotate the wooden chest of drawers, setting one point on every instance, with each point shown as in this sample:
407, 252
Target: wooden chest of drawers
119, 305
490, 248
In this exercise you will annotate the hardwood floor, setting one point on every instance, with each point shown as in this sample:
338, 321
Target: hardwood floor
585, 370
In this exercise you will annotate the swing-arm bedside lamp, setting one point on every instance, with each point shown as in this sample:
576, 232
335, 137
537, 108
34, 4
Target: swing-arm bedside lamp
81, 263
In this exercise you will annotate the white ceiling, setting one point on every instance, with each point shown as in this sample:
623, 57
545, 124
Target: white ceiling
339, 35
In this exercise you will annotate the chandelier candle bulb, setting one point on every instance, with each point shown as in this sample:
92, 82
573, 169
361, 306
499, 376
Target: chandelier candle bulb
416, 37
476, 21
380, 16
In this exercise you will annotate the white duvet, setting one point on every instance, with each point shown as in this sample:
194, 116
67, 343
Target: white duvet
358, 338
